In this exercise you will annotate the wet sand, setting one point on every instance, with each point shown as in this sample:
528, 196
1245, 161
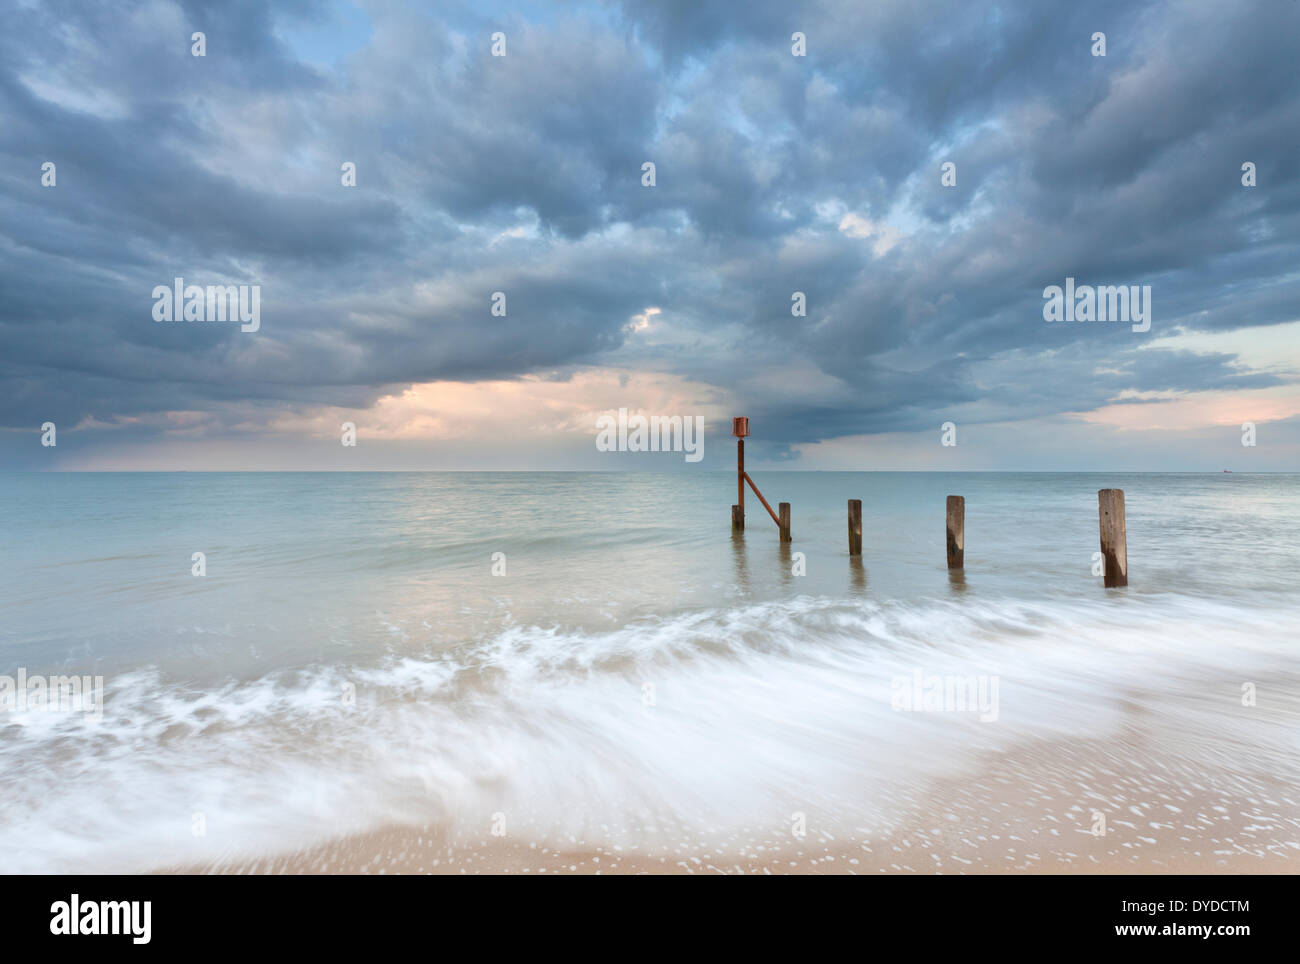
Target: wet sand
1030, 811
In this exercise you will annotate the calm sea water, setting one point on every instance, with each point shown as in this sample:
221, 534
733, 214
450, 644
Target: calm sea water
350, 659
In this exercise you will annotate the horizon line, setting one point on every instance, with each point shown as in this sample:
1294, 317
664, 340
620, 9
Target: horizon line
643, 471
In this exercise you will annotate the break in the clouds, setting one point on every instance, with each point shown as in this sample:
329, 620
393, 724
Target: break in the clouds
774, 174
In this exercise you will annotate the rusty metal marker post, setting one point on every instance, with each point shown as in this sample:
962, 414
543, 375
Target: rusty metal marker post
740, 429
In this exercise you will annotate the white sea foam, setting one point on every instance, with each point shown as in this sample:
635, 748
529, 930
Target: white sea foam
734, 716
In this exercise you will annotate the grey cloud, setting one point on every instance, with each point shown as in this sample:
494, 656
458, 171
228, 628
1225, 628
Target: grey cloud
522, 174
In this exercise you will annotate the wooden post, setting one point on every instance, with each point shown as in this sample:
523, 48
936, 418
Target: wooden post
855, 527
783, 508
956, 531
740, 482
1114, 538
737, 520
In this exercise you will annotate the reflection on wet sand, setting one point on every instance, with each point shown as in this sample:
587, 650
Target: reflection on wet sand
857, 574
740, 560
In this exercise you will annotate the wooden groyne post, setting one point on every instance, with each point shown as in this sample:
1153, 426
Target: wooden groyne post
1110, 510
855, 527
1114, 538
956, 518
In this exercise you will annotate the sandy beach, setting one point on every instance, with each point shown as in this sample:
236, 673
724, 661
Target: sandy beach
1030, 811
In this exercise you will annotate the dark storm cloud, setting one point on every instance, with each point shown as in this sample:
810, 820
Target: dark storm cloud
522, 174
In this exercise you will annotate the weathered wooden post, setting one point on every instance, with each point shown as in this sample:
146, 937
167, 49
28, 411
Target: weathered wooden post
855, 527
956, 531
1114, 537
739, 428
783, 508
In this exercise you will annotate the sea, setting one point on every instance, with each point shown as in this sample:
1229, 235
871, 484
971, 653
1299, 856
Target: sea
599, 657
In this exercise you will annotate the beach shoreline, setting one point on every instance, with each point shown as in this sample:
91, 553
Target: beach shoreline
1032, 810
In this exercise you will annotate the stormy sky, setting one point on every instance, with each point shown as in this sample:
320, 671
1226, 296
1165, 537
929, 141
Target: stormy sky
774, 174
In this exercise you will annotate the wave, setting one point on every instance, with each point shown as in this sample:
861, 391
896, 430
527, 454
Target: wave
722, 718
